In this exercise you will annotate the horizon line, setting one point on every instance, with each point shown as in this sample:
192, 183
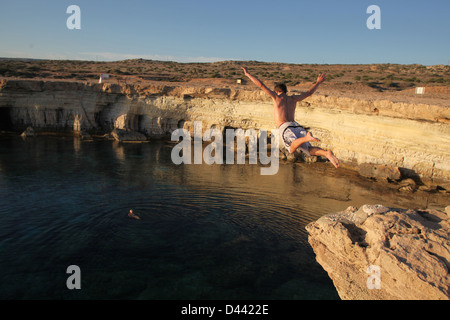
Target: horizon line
211, 61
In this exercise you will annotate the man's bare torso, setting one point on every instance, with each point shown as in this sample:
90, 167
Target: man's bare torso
284, 109
284, 105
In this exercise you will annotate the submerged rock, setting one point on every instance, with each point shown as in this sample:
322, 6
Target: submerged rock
127, 135
409, 251
83, 135
379, 171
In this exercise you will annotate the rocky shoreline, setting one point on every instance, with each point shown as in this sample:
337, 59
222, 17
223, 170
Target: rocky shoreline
380, 253
382, 140
405, 146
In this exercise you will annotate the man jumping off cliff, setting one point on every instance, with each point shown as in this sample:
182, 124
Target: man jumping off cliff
294, 136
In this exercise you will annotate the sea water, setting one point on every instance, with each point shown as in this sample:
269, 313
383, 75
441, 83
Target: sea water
206, 231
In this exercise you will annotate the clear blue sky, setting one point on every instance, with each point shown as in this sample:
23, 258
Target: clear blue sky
292, 31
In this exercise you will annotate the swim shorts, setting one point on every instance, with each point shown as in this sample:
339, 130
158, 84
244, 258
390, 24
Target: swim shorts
291, 131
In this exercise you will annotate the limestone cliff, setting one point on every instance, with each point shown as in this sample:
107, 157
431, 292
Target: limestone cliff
413, 137
383, 253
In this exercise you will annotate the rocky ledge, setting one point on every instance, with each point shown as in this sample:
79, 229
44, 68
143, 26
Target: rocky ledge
380, 253
411, 138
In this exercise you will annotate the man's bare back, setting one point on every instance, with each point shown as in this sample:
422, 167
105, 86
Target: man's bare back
284, 109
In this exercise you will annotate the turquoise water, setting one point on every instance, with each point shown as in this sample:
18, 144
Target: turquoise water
206, 232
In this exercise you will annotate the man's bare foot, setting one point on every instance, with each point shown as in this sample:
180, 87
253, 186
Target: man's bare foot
310, 137
335, 161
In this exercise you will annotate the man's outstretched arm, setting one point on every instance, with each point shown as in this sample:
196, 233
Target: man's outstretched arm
259, 83
321, 78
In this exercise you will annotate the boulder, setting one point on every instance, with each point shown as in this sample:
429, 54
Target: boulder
127, 135
29, 132
84, 135
407, 185
379, 171
380, 253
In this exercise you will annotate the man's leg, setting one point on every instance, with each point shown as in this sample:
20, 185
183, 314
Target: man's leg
315, 151
298, 142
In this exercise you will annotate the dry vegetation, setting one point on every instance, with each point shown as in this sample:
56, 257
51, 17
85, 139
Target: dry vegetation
352, 79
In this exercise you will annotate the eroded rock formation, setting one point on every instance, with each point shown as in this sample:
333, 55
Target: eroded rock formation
376, 252
412, 137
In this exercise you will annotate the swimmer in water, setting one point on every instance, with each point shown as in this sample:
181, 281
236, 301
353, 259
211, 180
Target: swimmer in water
132, 215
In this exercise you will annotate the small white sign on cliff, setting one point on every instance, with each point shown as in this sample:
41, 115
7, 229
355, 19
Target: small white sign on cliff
420, 90
103, 76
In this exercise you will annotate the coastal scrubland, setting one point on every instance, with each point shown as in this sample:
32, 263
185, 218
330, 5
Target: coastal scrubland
386, 81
